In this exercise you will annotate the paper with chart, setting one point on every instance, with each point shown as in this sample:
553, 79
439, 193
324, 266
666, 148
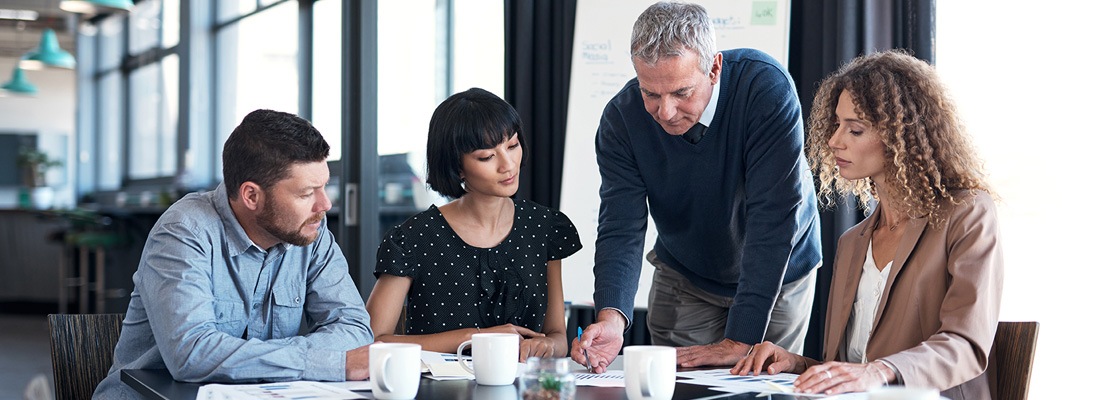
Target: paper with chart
275, 391
610, 378
722, 380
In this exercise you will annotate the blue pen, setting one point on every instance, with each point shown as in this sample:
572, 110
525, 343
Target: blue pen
588, 356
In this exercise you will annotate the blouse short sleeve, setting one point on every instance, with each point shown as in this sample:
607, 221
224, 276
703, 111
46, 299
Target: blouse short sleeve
393, 255
563, 238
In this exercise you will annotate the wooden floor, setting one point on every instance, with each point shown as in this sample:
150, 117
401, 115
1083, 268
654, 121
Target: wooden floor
24, 353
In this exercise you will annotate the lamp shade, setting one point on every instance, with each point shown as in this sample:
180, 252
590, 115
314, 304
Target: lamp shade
49, 54
96, 6
19, 83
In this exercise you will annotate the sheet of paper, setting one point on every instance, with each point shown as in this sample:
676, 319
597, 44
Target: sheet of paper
610, 378
452, 370
431, 357
443, 366
359, 386
722, 379
275, 391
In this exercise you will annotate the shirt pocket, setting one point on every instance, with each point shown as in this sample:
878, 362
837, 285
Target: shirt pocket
230, 317
288, 312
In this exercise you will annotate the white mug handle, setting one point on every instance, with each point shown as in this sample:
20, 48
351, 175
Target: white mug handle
646, 388
378, 378
459, 356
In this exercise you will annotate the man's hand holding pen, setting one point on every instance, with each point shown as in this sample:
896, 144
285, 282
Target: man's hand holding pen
598, 345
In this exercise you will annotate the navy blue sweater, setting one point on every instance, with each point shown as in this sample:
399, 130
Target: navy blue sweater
735, 213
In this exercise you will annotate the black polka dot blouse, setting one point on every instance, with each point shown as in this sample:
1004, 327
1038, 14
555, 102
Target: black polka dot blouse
456, 285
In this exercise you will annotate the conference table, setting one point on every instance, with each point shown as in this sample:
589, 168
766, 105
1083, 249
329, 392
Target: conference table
157, 384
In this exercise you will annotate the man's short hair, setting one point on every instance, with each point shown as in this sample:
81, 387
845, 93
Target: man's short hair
264, 146
466, 121
668, 29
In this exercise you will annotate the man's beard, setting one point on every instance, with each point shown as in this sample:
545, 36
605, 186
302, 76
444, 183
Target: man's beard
276, 226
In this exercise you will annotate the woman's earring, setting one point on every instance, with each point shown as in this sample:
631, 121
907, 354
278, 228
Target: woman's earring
463, 183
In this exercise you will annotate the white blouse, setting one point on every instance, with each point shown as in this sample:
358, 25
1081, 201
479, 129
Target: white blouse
865, 304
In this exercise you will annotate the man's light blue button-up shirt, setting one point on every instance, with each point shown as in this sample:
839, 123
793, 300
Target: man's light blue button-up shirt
211, 306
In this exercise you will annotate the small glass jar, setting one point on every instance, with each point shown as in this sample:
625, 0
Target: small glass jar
547, 379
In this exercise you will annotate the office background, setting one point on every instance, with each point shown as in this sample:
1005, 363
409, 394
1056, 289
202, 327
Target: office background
142, 118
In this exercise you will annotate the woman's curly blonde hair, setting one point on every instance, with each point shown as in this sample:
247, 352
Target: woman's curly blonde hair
928, 155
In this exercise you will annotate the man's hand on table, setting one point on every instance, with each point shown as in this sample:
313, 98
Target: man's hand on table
724, 353
357, 364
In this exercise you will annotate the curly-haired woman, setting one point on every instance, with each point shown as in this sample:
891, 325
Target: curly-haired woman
916, 289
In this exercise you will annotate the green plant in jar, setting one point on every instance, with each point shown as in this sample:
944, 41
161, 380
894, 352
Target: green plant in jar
547, 379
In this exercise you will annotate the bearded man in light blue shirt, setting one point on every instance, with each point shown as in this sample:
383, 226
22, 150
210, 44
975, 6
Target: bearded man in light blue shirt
228, 276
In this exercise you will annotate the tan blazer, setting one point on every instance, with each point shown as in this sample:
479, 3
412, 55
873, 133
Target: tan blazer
937, 316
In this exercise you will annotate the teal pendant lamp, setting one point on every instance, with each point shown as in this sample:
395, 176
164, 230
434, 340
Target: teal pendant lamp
19, 83
48, 54
97, 6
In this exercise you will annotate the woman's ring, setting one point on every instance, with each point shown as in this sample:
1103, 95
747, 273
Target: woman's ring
828, 374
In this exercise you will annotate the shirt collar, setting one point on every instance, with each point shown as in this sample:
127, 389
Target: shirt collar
237, 240
708, 113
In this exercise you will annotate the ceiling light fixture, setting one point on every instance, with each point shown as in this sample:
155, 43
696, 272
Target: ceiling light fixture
97, 6
48, 54
19, 83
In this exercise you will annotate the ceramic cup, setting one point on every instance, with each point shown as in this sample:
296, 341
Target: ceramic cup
395, 370
487, 392
494, 356
903, 393
650, 372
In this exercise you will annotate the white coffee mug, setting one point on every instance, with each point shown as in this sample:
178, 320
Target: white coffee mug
494, 356
395, 370
650, 372
903, 393
487, 392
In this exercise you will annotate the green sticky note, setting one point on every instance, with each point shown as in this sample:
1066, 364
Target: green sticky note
764, 13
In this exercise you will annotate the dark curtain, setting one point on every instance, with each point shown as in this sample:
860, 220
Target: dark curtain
824, 35
539, 35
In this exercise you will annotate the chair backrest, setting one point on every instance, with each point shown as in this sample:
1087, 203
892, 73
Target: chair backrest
1012, 358
81, 347
579, 316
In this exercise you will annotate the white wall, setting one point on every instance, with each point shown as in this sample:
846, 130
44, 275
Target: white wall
1031, 80
52, 111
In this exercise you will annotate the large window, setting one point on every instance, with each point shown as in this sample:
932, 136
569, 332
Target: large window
1030, 81
108, 85
135, 107
256, 65
109, 132
151, 68
152, 144
236, 56
327, 87
449, 47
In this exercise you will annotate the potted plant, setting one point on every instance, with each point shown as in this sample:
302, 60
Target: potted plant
35, 165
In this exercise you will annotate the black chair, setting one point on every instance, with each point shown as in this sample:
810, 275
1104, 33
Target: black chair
1012, 358
81, 347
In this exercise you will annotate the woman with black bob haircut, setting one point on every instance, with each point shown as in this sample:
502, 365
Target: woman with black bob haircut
484, 262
